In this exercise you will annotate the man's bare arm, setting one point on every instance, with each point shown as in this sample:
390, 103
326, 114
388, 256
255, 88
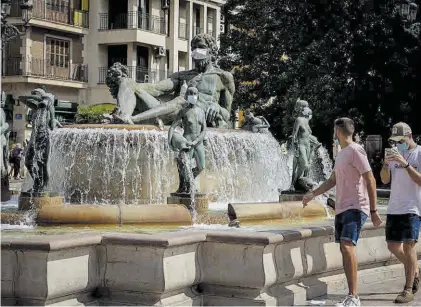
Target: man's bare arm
385, 174
371, 188
414, 174
326, 186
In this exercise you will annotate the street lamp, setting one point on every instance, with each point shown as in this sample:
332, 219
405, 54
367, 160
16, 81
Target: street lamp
9, 32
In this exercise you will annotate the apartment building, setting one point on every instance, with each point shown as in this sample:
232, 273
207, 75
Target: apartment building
70, 44
51, 53
151, 37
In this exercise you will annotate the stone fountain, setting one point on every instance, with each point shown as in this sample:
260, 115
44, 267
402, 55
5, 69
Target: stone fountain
134, 169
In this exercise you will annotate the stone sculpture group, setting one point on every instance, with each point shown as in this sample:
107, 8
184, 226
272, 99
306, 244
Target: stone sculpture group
193, 100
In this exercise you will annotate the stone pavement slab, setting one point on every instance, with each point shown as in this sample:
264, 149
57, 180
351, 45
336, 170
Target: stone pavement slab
375, 294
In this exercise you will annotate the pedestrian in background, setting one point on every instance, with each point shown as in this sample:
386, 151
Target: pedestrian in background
403, 165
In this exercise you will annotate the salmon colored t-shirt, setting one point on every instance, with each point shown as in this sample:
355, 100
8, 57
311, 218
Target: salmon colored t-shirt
351, 189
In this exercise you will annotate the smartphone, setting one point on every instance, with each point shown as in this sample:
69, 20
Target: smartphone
390, 151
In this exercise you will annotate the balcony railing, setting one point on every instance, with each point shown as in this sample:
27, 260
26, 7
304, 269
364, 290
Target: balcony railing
42, 68
138, 73
132, 20
56, 13
182, 30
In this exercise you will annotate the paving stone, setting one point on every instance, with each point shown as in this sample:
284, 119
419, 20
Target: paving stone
375, 294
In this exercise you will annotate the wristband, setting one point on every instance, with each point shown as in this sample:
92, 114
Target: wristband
373, 211
407, 166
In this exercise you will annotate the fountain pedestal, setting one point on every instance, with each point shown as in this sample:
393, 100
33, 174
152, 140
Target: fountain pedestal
201, 201
39, 200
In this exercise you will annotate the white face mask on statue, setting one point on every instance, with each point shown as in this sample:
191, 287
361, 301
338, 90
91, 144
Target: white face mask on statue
199, 54
192, 99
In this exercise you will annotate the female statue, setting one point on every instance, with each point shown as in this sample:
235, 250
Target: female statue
301, 142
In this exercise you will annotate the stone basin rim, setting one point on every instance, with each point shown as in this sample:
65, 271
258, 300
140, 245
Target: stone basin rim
167, 239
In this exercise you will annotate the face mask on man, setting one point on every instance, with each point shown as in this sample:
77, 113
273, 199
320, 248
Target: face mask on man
403, 146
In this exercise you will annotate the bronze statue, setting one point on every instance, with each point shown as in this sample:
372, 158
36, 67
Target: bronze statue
215, 86
4, 127
301, 142
38, 148
190, 144
256, 124
5, 131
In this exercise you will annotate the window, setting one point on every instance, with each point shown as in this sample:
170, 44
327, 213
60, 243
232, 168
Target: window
58, 51
61, 6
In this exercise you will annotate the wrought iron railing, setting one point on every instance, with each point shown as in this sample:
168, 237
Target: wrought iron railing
45, 68
138, 73
132, 20
60, 13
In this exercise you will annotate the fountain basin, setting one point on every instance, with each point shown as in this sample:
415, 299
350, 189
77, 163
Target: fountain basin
195, 268
276, 210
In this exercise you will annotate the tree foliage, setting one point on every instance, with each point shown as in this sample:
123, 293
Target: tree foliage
346, 57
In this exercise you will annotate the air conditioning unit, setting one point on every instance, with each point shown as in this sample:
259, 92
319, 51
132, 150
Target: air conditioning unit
222, 28
160, 52
222, 18
165, 4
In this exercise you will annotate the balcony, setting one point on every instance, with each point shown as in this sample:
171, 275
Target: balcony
56, 13
42, 68
138, 73
132, 20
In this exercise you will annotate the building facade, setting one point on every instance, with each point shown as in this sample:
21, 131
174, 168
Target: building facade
70, 44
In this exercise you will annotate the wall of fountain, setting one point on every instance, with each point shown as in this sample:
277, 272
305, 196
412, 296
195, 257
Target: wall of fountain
119, 166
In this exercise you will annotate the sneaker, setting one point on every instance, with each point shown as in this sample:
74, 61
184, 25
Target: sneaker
349, 300
405, 296
416, 284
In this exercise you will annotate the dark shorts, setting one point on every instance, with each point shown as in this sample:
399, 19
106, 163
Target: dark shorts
402, 227
348, 225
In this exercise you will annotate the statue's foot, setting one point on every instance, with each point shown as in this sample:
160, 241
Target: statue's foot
160, 124
120, 118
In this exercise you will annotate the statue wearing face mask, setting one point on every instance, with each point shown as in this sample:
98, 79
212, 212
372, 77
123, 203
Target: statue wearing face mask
189, 145
215, 90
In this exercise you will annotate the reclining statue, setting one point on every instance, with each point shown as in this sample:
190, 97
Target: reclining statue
256, 124
216, 89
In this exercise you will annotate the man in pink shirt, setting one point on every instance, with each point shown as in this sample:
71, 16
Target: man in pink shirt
355, 200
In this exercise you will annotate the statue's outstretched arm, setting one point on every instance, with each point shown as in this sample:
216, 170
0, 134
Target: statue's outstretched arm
297, 126
201, 136
4, 127
53, 120
156, 89
177, 122
30, 103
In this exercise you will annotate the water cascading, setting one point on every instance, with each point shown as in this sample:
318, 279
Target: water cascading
118, 166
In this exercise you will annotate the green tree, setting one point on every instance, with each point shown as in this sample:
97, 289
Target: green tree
347, 58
